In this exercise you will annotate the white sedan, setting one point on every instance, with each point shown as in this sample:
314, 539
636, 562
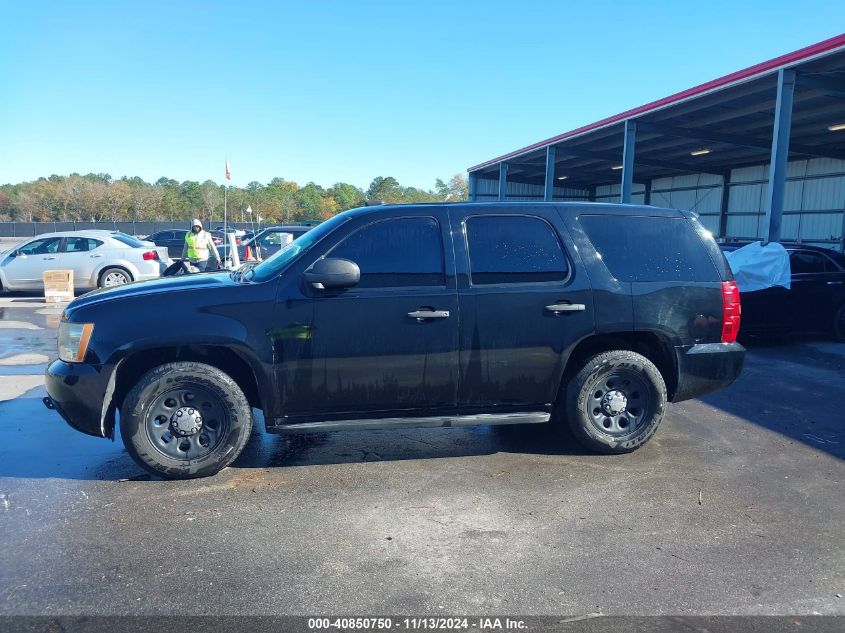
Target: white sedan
99, 259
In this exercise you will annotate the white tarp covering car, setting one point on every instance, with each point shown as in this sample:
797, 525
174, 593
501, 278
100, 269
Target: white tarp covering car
757, 266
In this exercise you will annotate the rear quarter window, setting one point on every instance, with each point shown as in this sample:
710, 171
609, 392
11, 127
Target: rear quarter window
134, 242
647, 248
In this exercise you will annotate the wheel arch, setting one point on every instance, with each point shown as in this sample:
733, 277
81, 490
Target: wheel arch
655, 346
130, 368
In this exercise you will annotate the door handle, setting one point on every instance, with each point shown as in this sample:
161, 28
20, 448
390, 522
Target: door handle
46, 258
835, 283
422, 315
95, 256
566, 307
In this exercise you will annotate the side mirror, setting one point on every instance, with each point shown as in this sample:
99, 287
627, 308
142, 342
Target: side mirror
333, 273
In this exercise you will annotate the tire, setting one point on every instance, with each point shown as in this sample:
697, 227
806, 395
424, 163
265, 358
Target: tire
593, 395
185, 420
112, 277
839, 325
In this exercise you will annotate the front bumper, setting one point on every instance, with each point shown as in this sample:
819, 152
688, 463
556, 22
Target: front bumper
77, 391
706, 367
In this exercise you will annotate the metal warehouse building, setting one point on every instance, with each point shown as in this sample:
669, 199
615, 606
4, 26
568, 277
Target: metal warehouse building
759, 153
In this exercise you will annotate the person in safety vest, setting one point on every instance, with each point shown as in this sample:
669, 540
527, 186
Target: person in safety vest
198, 245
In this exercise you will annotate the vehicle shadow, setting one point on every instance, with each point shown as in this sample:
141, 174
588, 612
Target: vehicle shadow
28, 452
350, 447
38, 444
792, 389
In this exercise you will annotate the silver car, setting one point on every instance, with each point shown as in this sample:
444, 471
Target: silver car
99, 259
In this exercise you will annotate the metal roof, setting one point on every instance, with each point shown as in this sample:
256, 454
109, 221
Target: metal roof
730, 116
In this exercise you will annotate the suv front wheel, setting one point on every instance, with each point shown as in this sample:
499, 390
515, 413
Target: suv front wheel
184, 420
615, 403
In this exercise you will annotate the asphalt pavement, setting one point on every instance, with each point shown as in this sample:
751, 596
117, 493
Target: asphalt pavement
735, 507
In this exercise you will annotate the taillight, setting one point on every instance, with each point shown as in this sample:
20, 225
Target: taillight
731, 311
150, 256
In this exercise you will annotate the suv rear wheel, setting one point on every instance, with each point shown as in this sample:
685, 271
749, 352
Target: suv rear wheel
184, 420
615, 403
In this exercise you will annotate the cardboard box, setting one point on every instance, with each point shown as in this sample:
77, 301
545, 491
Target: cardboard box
58, 285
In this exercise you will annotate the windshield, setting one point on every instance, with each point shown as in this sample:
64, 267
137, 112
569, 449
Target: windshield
273, 265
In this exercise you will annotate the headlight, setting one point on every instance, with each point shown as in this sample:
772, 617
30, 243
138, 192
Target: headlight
73, 341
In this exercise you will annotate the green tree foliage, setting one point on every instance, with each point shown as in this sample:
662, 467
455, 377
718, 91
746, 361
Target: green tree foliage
101, 197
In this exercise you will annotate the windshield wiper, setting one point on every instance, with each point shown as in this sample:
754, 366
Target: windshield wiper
243, 270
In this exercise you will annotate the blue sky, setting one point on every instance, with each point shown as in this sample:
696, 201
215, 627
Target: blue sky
345, 91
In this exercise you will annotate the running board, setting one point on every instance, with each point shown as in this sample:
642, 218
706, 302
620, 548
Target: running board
530, 417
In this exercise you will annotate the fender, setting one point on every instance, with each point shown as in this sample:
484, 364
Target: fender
140, 356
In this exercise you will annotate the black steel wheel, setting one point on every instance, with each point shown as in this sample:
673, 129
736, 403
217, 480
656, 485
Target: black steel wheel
185, 420
620, 402
615, 403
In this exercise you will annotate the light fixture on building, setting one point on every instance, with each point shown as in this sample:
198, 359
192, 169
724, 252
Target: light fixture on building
616, 167
837, 127
562, 177
700, 152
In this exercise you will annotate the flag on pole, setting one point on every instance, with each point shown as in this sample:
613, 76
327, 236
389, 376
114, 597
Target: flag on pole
228, 173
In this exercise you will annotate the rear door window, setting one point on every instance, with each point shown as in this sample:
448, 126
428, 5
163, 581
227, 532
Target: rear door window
646, 248
134, 242
396, 253
802, 262
80, 244
513, 249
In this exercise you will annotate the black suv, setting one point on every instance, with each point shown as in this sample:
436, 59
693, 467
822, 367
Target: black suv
589, 316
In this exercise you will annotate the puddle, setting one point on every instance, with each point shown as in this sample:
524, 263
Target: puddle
22, 360
18, 325
21, 370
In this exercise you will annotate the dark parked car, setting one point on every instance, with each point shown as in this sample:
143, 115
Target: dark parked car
270, 240
265, 243
401, 316
174, 240
814, 303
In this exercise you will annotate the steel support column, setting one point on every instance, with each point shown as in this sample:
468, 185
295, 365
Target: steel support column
549, 192
628, 161
503, 181
723, 207
647, 196
780, 154
473, 186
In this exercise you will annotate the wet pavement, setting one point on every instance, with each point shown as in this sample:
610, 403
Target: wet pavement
736, 506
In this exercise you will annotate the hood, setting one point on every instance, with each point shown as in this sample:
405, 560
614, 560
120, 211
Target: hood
182, 283
196, 222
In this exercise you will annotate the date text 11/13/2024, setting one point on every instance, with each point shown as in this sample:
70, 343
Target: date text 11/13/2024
417, 624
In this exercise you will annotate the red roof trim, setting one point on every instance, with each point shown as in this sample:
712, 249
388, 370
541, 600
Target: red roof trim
800, 55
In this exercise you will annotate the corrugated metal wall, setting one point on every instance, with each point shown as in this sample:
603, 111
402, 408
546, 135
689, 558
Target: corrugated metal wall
487, 190
610, 193
814, 202
814, 205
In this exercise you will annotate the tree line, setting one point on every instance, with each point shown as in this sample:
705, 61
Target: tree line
97, 197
